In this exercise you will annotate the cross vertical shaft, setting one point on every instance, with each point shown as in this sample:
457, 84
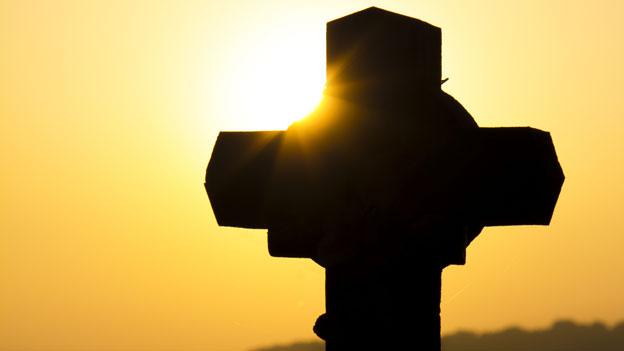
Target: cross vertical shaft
392, 307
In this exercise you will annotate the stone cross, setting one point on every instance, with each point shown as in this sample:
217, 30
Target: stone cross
384, 185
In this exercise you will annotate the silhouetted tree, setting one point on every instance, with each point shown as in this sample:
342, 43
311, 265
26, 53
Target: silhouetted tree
562, 336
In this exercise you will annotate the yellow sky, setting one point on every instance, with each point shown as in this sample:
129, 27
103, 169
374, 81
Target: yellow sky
108, 113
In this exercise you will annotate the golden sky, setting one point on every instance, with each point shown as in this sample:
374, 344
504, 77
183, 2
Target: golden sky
109, 110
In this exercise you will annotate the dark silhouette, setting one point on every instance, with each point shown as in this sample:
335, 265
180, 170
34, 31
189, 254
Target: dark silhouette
561, 336
385, 184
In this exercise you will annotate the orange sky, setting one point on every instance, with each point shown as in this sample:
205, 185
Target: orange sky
108, 113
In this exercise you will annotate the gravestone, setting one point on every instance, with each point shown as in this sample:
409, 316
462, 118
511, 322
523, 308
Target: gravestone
384, 184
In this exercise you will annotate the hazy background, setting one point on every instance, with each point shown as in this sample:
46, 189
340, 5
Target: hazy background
108, 113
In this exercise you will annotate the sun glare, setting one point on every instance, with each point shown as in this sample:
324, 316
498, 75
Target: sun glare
275, 80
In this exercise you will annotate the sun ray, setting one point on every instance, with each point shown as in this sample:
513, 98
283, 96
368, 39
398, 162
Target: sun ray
270, 89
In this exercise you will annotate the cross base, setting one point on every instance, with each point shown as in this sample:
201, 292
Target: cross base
393, 305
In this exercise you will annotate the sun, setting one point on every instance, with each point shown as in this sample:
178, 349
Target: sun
275, 79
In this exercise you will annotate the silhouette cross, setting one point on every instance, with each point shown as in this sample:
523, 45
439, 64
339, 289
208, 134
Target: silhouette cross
384, 184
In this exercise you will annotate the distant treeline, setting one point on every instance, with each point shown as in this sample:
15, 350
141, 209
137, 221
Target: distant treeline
561, 336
